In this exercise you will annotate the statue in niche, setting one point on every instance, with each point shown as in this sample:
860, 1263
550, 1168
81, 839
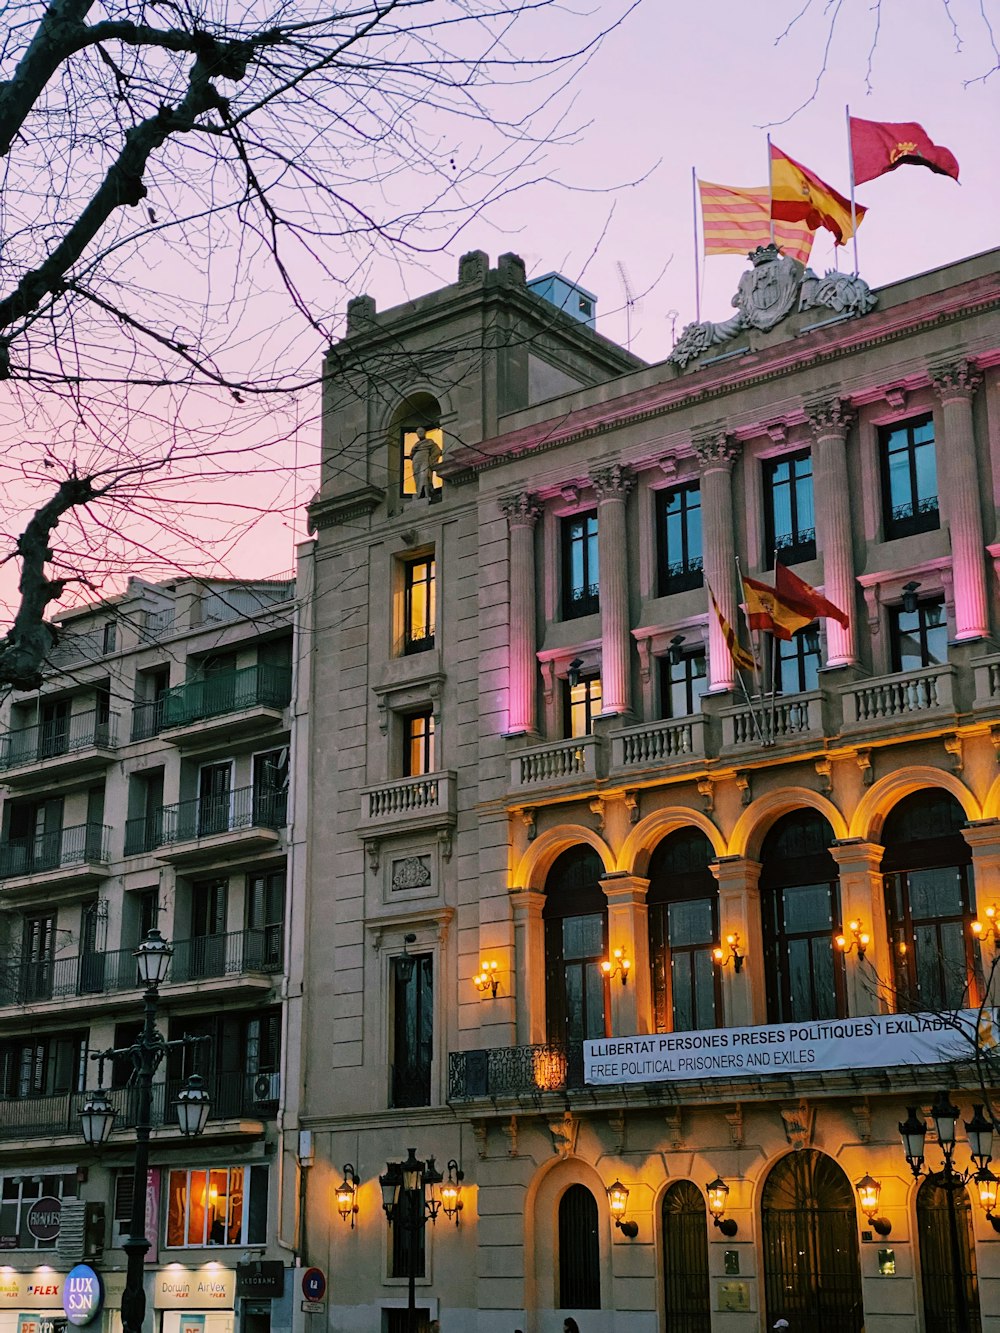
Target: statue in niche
424, 458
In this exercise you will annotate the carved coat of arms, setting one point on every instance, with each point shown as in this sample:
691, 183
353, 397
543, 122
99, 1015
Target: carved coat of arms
769, 291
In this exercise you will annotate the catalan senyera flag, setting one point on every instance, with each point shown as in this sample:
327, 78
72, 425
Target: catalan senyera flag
735, 221
766, 611
797, 195
801, 596
878, 146
740, 656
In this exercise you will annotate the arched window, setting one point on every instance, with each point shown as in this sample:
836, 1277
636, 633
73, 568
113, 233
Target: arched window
420, 412
576, 917
579, 1251
812, 1273
800, 907
683, 925
686, 1295
948, 1294
929, 901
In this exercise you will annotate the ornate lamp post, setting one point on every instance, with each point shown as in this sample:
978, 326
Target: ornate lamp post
410, 1200
98, 1115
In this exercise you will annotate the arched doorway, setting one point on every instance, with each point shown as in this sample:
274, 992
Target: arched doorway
579, 1251
686, 1298
947, 1300
812, 1273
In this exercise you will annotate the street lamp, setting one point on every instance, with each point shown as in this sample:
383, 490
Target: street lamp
97, 1116
410, 1200
913, 1131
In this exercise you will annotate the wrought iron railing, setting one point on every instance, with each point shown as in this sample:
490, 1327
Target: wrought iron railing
147, 718
144, 833
260, 686
232, 954
226, 812
60, 736
78, 845
515, 1071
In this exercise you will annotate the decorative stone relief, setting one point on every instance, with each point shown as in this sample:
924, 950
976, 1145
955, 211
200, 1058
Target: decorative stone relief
510, 1130
798, 1122
743, 786
961, 379
631, 801
706, 790
830, 416
863, 1119
716, 450
564, 1133
527, 818
863, 759
824, 770
953, 744
612, 483
410, 872
521, 510
373, 850
479, 1133
597, 809
616, 1123
674, 1128
896, 397
734, 1119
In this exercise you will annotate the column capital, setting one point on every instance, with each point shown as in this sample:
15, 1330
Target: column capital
955, 380
620, 887
716, 451
613, 482
828, 416
527, 902
521, 510
857, 854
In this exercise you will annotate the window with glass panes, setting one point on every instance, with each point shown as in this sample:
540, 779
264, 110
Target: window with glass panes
575, 916
679, 512
789, 519
798, 661
683, 926
683, 681
909, 478
800, 909
580, 572
225, 1205
418, 743
19, 1192
581, 704
919, 638
412, 1029
419, 604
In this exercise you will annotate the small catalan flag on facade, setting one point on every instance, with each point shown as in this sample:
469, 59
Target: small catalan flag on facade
740, 656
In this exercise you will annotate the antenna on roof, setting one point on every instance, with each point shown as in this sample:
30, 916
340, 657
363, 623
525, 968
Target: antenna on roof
631, 302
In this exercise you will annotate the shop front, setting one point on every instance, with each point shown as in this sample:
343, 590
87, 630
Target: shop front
194, 1300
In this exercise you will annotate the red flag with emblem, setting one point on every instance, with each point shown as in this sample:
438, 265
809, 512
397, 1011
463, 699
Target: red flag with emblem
879, 146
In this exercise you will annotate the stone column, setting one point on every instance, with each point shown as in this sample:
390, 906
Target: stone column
959, 496
983, 836
522, 513
716, 454
870, 980
628, 930
829, 422
744, 1000
612, 485
529, 964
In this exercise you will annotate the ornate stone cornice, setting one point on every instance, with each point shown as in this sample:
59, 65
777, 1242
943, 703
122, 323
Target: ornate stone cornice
521, 510
337, 509
959, 379
612, 483
828, 416
716, 451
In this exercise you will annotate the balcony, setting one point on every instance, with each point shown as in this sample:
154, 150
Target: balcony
788, 719
225, 707
44, 980
238, 953
67, 858
147, 719
562, 765
658, 745
54, 751
409, 804
515, 1071
880, 703
232, 823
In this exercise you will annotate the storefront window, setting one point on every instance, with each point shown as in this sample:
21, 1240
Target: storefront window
221, 1206
17, 1195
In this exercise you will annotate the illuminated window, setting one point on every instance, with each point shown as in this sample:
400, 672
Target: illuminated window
581, 705
683, 682
418, 744
408, 484
683, 901
798, 661
419, 604
217, 1206
919, 638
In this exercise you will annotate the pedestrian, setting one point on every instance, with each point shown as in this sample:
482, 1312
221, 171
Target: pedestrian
570, 1326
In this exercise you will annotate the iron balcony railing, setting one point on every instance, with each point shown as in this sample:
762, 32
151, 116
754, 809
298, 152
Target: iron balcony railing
515, 1071
232, 954
147, 718
144, 833
226, 812
80, 844
229, 692
68, 735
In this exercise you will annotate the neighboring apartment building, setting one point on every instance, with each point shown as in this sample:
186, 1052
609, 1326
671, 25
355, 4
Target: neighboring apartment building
146, 785
532, 751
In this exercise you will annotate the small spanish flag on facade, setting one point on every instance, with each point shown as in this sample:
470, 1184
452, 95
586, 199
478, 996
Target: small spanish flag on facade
766, 611
797, 195
740, 656
735, 221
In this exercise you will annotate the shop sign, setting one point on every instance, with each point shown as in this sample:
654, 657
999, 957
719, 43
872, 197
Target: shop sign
40, 1323
83, 1295
44, 1218
194, 1289
266, 1277
192, 1323
31, 1291
876, 1042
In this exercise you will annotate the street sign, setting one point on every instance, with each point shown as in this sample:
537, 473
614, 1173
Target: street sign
313, 1285
313, 1307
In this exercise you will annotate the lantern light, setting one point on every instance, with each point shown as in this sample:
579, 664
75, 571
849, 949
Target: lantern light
347, 1194
97, 1118
153, 958
718, 1195
193, 1105
618, 1205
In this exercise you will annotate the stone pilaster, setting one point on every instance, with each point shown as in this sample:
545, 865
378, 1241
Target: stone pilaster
870, 980
744, 999
983, 836
716, 454
956, 386
529, 956
522, 513
628, 930
612, 485
829, 422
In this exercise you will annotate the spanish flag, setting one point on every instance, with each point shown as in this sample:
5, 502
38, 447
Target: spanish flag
740, 656
766, 611
735, 221
799, 196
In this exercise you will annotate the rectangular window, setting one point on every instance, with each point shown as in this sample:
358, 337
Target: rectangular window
270, 788
43, 1067
215, 798
419, 459
680, 539
798, 661
581, 704
789, 522
412, 1029
110, 637
909, 478
53, 730
219, 1206
683, 681
18, 1193
686, 984
580, 573
266, 918
37, 952
418, 744
419, 604
919, 638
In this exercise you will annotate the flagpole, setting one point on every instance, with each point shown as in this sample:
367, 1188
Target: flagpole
770, 188
694, 222
850, 162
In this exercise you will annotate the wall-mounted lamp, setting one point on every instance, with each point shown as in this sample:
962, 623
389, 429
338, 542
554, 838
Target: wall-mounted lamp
910, 596
618, 1204
674, 653
733, 956
868, 1191
405, 962
573, 672
347, 1194
617, 965
487, 978
450, 1192
718, 1196
858, 939
989, 928
988, 1184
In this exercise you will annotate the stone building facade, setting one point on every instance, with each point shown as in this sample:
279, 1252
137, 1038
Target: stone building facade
533, 753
